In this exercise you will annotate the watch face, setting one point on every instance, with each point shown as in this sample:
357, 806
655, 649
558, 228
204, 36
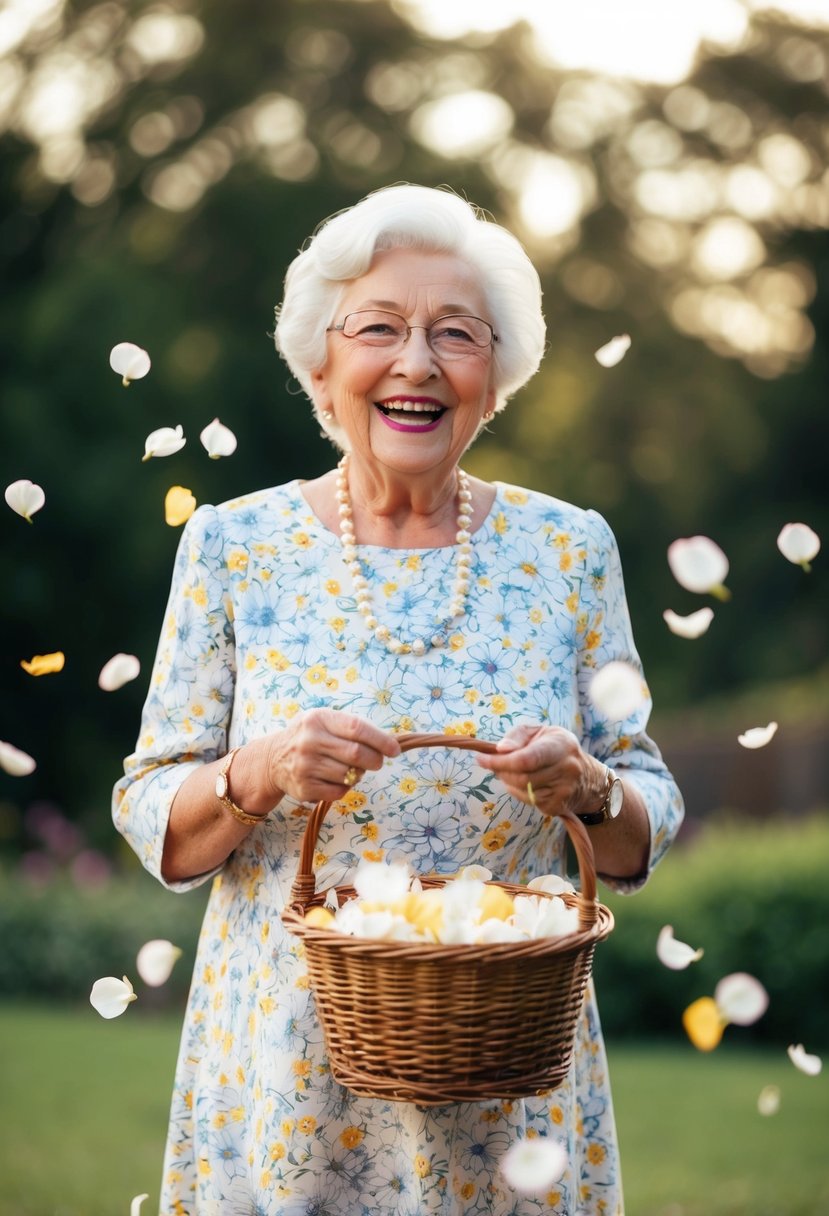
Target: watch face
615, 798
221, 785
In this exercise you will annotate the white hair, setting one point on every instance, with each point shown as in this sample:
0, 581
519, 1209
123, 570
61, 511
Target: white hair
411, 217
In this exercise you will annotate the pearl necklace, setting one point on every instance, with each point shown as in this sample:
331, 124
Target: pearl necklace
362, 593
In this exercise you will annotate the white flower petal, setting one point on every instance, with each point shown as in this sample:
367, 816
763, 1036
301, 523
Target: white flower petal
534, 1165
618, 690
135, 1205
801, 1059
129, 361
674, 954
119, 670
164, 442
697, 563
693, 626
758, 736
111, 996
614, 351
25, 497
156, 960
15, 762
332, 899
552, 884
768, 1100
798, 543
218, 440
481, 873
741, 998
382, 882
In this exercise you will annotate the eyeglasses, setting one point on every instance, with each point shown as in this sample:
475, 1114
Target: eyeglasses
450, 337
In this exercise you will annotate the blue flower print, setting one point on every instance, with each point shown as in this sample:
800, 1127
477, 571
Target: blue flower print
483, 1149
256, 616
435, 687
431, 835
488, 666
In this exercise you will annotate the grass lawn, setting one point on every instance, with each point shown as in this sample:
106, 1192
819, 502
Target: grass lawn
83, 1106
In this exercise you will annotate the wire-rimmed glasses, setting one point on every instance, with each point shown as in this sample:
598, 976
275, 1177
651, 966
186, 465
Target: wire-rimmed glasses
451, 337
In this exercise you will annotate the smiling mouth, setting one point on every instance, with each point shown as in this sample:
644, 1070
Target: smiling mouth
412, 415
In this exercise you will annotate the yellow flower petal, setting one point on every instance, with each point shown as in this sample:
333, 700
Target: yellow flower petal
179, 505
44, 664
703, 1023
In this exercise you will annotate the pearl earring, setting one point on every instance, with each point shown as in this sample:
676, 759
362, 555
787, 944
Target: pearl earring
489, 416
327, 416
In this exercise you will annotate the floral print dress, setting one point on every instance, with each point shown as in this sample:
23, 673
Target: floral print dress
261, 625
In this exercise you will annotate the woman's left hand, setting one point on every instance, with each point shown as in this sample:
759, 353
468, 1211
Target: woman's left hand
550, 759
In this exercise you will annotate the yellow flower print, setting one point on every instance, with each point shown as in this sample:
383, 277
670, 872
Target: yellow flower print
209, 975
267, 1004
581, 622
529, 568
332, 683
277, 1151
291, 709
536, 616
316, 674
351, 1137
307, 1125
237, 562
374, 854
553, 1198
422, 1166
389, 589
265, 1179
496, 837
302, 983
277, 660
581, 554
351, 674
287, 1128
565, 562
532, 1133
499, 704
320, 858
219, 1120
500, 524
506, 643
337, 623
467, 1190
561, 540
302, 539
197, 711
592, 640
301, 1068
557, 1115
413, 562
332, 586
407, 785
472, 696
369, 830
354, 800
204, 1167
517, 498
199, 596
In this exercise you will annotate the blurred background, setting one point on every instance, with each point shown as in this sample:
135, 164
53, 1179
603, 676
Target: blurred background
665, 166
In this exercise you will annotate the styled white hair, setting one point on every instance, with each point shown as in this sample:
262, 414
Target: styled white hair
411, 217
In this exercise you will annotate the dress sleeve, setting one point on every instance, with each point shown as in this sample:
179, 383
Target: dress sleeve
605, 635
187, 712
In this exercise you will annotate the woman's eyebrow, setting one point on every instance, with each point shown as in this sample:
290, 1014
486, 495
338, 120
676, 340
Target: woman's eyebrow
394, 306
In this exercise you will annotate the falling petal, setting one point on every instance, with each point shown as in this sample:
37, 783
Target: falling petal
703, 1023
164, 442
693, 626
129, 361
179, 505
135, 1205
533, 1165
614, 351
110, 996
617, 690
741, 998
758, 736
218, 440
799, 544
156, 960
117, 671
44, 664
801, 1059
699, 565
768, 1100
673, 954
15, 762
552, 884
25, 497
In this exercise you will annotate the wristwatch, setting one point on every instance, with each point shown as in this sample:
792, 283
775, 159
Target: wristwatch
223, 794
613, 799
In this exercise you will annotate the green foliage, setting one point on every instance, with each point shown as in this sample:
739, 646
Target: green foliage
755, 898
59, 938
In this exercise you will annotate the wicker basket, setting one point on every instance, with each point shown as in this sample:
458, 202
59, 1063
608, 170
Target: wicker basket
435, 1024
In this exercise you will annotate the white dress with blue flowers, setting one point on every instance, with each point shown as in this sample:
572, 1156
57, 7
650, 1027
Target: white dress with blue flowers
262, 625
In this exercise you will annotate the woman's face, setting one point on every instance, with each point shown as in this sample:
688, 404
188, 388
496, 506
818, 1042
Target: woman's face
364, 386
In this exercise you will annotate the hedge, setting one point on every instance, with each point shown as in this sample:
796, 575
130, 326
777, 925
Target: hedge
755, 896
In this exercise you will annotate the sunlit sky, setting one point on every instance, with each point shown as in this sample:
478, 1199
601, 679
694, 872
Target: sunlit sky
648, 40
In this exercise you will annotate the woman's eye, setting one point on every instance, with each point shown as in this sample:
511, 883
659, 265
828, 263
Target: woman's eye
454, 334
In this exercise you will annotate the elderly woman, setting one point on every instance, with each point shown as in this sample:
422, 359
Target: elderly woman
311, 623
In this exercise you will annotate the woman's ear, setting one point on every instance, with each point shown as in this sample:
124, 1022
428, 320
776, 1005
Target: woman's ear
319, 390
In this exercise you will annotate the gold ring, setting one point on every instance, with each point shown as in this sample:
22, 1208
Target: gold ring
351, 776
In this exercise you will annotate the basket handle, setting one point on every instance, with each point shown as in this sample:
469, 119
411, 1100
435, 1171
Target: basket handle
304, 885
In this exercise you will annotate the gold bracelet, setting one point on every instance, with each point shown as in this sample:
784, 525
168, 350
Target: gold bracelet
223, 794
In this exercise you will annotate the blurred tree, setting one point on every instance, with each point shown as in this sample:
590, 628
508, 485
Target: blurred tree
161, 164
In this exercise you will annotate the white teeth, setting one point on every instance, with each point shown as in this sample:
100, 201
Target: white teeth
411, 407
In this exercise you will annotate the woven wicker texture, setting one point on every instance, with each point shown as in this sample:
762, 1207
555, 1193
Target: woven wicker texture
434, 1024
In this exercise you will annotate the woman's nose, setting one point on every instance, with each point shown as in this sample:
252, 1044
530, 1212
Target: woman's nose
416, 359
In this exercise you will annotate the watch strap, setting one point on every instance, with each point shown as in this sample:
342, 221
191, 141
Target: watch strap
592, 819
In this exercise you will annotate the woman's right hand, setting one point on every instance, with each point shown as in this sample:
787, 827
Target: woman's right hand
310, 758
